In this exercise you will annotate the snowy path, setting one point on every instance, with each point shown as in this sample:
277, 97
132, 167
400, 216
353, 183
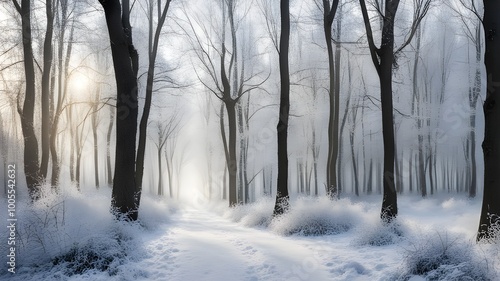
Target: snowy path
198, 245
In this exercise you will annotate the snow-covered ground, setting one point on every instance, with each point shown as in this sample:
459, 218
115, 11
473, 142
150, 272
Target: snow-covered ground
75, 238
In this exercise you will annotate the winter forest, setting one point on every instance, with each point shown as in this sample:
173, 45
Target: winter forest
250, 140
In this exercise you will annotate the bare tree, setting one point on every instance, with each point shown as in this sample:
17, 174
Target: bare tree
219, 63
165, 131
282, 198
125, 62
383, 59
329, 11
31, 161
153, 43
490, 213
46, 91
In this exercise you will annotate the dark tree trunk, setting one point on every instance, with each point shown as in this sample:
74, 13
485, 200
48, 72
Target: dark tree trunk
389, 203
476, 91
226, 150
282, 197
125, 60
153, 51
46, 77
232, 163
472, 138
383, 60
490, 213
31, 164
329, 12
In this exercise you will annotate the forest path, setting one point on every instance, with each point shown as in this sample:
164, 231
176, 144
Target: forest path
199, 245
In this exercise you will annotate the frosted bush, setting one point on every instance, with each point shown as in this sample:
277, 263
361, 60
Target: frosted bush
441, 257
98, 253
318, 216
378, 233
255, 214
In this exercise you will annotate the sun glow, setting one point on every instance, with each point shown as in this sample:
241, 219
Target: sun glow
78, 82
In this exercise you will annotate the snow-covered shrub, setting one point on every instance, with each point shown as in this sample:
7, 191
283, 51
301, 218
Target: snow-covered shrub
255, 214
98, 253
441, 257
379, 233
74, 234
318, 216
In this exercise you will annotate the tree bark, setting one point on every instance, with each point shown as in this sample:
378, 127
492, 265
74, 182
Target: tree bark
153, 51
124, 194
490, 212
108, 146
46, 77
232, 163
160, 177
329, 12
31, 164
282, 198
95, 123
383, 60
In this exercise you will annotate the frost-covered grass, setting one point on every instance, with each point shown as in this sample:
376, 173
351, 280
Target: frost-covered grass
444, 256
73, 236
435, 238
73, 233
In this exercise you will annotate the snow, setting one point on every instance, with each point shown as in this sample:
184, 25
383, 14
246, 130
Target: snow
433, 239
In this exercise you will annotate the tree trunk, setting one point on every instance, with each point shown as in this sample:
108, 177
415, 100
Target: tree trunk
490, 213
354, 166
124, 194
389, 202
31, 164
108, 146
170, 173
160, 178
96, 147
46, 77
232, 163
282, 198
62, 91
333, 121
383, 60
153, 50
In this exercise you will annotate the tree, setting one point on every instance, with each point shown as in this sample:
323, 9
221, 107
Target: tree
31, 163
490, 212
472, 29
109, 170
153, 43
125, 63
46, 91
282, 198
384, 58
165, 131
62, 86
329, 11
219, 63
95, 119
